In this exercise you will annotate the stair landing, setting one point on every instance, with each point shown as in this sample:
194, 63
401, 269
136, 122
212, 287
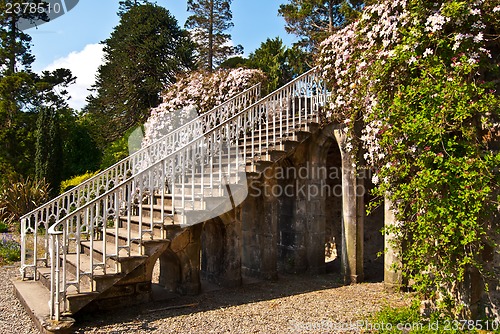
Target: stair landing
34, 296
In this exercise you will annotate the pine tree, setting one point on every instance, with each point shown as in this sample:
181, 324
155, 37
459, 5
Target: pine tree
14, 43
314, 20
126, 5
17, 92
52, 105
210, 21
144, 53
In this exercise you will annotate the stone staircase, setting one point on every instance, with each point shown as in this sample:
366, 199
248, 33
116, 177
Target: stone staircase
101, 241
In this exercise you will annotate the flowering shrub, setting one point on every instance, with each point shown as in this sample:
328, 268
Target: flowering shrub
200, 91
421, 78
10, 250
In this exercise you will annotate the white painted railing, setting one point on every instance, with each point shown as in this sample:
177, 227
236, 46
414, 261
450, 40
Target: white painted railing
183, 187
35, 225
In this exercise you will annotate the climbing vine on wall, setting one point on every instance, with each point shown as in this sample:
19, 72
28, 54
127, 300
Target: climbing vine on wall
422, 78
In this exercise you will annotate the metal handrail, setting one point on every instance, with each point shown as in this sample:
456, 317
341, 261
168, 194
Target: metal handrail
286, 108
62, 205
192, 142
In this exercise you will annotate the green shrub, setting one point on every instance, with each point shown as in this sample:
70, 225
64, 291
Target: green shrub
395, 316
4, 227
20, 196
76, 180
10, 251
409, 320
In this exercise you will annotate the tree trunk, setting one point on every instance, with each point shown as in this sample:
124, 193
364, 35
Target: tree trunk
211, 37
12, 44
330, 17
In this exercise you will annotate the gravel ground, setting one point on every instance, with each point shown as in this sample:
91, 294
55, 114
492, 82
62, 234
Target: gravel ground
293, 304
13, 318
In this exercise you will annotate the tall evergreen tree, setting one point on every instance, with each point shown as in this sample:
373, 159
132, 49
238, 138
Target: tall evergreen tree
48, 157
314, 20
210, 21
273, 58
52, 105
126, 5
18, 96
14, 43
143, 55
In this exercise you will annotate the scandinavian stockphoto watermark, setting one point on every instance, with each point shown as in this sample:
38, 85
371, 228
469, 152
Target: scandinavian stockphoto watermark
363, 326
35, 13
307, 181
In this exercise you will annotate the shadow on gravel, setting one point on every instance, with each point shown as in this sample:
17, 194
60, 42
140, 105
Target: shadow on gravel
211, 298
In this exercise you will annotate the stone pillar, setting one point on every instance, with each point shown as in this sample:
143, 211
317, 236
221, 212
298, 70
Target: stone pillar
231, 275
267, 230
259, 225
352, 222
315, 220
392, 278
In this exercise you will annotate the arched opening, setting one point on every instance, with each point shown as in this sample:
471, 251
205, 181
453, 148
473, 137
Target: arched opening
373, 258
167, 271
333, 209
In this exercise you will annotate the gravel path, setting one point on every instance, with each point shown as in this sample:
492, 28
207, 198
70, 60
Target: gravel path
13, 318
293, 304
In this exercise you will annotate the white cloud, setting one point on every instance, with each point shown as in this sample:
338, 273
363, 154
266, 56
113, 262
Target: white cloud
83, 64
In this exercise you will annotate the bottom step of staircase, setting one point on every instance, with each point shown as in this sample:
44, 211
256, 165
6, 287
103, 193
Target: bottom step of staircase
35, 298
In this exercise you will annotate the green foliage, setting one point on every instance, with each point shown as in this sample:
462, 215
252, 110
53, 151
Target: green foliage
4, 227
17, 121
273, 58
80, 151
76, 180
209, 23
421, 79
117, 151
48, 158
395, 316
409, 320
20, 196
234, 62
10, 251
143, 55
27, 97
314, 20
125, 5
14, 43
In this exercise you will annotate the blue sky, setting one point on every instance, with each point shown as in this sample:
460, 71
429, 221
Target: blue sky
72, 40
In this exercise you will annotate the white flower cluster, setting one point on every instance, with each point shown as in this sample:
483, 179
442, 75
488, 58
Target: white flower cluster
197, 91
435, 22
347, 56
205, 90
161, 124
369, 132
348, 53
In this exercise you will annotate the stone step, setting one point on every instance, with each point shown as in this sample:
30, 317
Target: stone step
35, 299
121, 235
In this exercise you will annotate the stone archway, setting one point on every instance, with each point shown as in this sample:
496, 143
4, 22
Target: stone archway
221, 249
170, 271
321, 201
333, 209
